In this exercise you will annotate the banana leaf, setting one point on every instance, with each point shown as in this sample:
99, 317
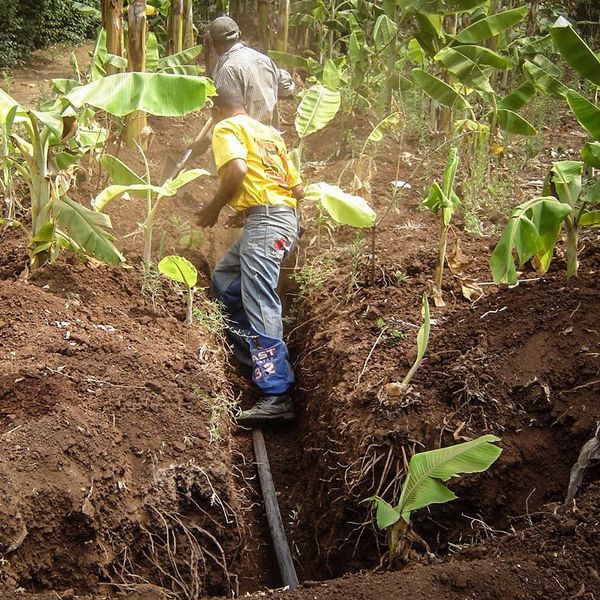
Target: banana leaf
180, 59
384, 125
484, 56
511, 122
427, 470
590, 153
530, 234
465, 69
586, 113
439, 90
342, 207
518, 97
384, 31
159, 94
318, 106
590, 219
87, 229
179, 269
566, 176
575, 51
169, 188
544, 81
488, 27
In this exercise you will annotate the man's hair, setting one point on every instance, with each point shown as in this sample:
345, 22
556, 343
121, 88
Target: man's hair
228, 99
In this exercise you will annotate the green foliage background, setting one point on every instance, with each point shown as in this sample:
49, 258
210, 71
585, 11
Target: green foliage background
31, 24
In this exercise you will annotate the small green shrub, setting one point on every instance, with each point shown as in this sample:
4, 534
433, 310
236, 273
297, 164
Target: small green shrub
31, 24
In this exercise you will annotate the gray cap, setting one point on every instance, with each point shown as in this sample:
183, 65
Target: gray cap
224, 29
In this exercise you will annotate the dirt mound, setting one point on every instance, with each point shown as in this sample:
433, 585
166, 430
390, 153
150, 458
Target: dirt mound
115, 463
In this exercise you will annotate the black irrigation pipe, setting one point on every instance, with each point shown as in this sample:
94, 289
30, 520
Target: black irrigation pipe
282, 550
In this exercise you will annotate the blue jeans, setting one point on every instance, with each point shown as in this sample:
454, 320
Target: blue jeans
245, 281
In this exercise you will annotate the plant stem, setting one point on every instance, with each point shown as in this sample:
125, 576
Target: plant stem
439, 269
571, 247
190, 304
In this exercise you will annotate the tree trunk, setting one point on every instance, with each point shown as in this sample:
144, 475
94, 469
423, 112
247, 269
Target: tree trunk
135, 123
112, 11
283, 19
175, 27
532, 19
189, 37
263, 24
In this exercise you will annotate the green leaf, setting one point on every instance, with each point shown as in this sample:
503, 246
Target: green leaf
592, 194
169, 188
180, 59
544, 81
342, 207
547, 65
484, 56
511, 122
440, 7
465, 69
120, 173
591, 154
430, 33
331, 75
384, 125
590, 219
9, 106
152, 56
439, 90
155, 93
488, 27
91, 138
575, 51
63, 86
114, 60
586, 113
179, 269
519, 97
292, 61
384, 31
387, 515
522, 233
97, 70
88, 230
427, 470
415, 52
566, 176
318, 106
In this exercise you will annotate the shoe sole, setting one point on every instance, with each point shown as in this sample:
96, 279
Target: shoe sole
289, 416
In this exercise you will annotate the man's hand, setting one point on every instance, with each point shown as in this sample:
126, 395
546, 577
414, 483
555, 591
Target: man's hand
208, 215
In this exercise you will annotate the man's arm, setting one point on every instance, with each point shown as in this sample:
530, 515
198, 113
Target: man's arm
285, 84
298, 192
233, 176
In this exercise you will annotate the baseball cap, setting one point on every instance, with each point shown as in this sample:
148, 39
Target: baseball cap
224, 29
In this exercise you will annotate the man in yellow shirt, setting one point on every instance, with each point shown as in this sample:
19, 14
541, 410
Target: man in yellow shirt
259, 182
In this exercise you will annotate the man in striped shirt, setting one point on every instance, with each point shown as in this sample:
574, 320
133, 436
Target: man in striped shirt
247, 72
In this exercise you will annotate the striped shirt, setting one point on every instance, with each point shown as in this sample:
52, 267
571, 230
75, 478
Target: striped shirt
257, 77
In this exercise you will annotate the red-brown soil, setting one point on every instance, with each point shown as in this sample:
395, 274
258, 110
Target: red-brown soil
110, 480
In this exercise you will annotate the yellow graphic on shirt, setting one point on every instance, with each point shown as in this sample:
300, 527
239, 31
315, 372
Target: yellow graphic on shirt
270, 176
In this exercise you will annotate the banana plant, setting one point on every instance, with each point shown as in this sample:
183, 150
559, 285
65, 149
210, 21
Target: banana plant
181, 270
443, 201
50, 145
424, 485
319, 105
534, 226
464, 64
126, 181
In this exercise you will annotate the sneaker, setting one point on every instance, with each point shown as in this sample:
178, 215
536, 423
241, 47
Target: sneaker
269, 409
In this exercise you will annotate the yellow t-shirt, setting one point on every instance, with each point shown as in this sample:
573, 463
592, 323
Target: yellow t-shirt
271, 175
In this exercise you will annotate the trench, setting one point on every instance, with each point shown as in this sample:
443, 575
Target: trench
322, 470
